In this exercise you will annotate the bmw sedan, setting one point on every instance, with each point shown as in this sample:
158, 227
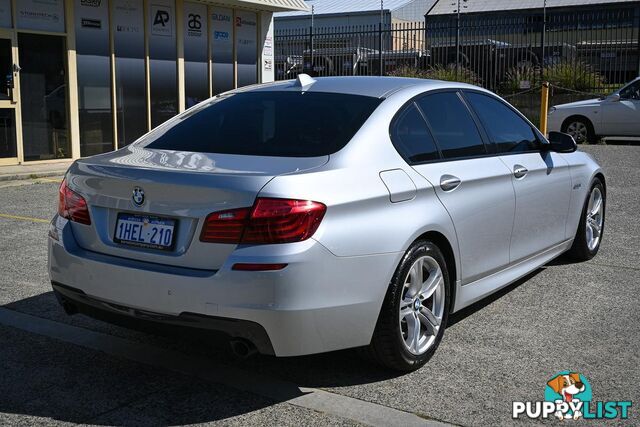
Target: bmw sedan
616, 115
307, 216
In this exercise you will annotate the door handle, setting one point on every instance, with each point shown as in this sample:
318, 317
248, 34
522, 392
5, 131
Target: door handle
449, 182
519, 171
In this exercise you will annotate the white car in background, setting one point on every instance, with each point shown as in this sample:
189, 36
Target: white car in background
615, 115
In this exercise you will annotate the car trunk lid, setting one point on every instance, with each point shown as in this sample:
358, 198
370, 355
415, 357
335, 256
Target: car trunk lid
180, 186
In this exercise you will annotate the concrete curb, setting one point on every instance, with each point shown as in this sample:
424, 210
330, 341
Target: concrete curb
33, 175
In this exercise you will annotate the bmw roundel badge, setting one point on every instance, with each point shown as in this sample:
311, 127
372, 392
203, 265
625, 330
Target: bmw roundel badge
138, 196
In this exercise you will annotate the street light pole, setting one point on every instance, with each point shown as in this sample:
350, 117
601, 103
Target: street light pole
458, 11
543, 37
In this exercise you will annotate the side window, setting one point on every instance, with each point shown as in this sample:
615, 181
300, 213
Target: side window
506, 129
412, 138
453, 127
631, 92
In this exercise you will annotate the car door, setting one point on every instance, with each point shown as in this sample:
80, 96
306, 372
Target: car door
474, 186
622, 117
541, 178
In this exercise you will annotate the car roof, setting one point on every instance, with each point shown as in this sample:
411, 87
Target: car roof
378, 87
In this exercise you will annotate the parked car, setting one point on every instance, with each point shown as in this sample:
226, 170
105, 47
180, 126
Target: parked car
314, 215
615, 115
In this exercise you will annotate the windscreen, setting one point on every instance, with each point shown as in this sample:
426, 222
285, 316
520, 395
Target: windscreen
282, 124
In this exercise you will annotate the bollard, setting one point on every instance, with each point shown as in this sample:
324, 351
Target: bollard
544, 108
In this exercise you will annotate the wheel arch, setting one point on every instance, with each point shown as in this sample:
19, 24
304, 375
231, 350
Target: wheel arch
442, 242
600, 176
588, 122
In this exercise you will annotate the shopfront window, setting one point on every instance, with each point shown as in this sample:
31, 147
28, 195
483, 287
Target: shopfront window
94, 77
246, 47
196, 68
222, 49
43, 96
131, 98
162, 61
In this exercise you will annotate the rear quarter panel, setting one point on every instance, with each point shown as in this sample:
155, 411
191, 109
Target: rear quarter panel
361, 220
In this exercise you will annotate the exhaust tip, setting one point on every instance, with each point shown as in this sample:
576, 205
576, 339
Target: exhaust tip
242, 349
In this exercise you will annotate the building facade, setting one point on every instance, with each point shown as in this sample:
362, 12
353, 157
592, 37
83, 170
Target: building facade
83, 77
340, 13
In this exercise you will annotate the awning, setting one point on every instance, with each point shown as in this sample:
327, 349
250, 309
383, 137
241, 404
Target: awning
270, 5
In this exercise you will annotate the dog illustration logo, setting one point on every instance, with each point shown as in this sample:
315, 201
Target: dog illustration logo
568, 390
567, 396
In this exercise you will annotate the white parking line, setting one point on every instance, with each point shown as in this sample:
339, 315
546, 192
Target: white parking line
271, 388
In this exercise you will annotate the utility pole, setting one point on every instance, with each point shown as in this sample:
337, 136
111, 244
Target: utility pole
458, 11
380, 65
311, 41
543, 37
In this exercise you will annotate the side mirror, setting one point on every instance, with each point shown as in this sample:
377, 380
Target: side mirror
615, 97
561, 143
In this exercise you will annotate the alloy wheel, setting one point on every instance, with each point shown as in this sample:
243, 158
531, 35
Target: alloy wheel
422, 305
594, 218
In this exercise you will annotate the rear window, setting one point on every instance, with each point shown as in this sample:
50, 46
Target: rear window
282, 124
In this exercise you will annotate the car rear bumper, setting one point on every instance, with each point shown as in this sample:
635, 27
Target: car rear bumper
318, 303
77, 301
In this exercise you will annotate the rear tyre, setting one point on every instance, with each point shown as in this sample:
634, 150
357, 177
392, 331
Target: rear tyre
580, 129
591, 227
414, 312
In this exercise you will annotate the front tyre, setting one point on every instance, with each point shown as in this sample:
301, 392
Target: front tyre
589, 235
415, 310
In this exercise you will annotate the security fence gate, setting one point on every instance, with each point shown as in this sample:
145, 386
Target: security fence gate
582, 52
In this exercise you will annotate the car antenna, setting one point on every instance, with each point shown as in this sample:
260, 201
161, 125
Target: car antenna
304, 80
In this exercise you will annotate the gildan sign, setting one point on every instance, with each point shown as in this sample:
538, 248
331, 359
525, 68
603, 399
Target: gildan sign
42, 15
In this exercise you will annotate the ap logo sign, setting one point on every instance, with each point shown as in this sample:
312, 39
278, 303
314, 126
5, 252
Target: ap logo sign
161, 20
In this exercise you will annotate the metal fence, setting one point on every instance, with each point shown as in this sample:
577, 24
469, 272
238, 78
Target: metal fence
582, 53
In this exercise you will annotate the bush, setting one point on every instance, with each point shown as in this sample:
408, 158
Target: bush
578, 76
439, 72
575, 76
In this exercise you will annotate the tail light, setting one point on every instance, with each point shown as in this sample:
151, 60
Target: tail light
268, 221
72, 206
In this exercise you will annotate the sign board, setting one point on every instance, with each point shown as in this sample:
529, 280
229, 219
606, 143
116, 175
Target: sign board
41, 15
222, 48
525, 84
195, 32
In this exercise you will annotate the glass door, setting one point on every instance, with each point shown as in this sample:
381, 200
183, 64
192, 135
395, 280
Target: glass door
43, 97
8, 101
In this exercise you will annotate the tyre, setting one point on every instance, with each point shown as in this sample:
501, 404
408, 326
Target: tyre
415, 310
591, 227
580, 129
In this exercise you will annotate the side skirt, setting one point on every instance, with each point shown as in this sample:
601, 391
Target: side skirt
475, 291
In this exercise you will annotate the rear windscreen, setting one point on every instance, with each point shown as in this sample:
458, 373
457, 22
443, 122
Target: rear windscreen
282, 124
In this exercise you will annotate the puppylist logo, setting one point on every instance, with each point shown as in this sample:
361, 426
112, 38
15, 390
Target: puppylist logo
567, 396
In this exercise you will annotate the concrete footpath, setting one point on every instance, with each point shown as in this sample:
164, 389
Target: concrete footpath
10, 173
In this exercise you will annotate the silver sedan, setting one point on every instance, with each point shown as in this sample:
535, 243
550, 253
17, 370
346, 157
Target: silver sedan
616, 115
314, 215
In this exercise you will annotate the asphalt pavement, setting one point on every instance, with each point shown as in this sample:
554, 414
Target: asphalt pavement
583, 317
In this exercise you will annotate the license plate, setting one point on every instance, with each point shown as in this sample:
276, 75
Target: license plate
145, 231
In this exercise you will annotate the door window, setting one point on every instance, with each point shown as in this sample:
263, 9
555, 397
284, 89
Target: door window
506, 129
412, 138
453, 127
